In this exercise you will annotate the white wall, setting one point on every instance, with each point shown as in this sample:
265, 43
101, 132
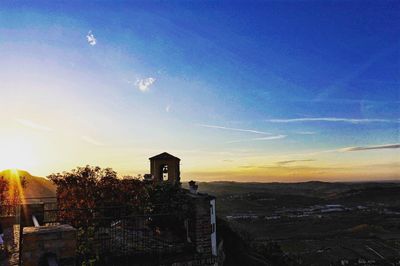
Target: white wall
214, 228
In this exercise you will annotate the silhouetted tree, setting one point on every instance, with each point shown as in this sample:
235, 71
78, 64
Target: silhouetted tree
133, 193
82, 190
15, 190
11, 193
3, 190
91, 197
168, 199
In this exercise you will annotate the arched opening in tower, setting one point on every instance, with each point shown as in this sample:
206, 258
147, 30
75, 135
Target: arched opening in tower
165, 172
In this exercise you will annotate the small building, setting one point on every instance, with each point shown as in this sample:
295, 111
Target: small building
165, 167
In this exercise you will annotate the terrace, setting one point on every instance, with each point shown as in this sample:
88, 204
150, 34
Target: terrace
113, 232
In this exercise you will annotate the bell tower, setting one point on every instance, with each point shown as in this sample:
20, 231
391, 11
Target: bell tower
165, 167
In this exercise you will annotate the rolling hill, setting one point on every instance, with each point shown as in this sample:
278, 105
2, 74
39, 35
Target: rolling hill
35, 187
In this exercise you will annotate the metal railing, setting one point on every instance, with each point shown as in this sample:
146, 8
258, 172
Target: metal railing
120, 231
117, 231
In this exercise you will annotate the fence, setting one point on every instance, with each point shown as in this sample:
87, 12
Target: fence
118, 231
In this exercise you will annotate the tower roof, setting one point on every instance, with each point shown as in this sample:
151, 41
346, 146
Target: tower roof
164, 155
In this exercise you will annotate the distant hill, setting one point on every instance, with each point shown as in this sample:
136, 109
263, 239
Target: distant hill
36, 187
355, 191
377, 193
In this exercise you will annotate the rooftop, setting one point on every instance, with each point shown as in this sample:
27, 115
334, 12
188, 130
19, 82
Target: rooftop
164, 155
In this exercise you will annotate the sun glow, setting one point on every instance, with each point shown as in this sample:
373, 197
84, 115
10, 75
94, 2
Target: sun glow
14, 172
17, 152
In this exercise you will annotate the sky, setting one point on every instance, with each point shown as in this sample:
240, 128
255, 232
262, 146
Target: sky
239, 90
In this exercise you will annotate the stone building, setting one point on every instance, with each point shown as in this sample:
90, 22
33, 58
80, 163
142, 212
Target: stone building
202, 227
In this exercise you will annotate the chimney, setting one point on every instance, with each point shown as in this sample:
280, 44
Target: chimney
193, 187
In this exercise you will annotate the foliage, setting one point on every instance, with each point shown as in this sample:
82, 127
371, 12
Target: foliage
133, 193
170, 199
166, 197
86, 246
89, 192
91, 197
85, 191
84, 187
15, 190
78, 191
11, 192
3, 190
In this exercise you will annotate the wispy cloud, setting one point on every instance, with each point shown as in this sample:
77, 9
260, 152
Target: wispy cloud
144, 84
91, 39
334, 119
376, 147
33, 125
294, 161
348, 149
168, 108
247, 166
306, 132
92, 141
259, 139
235, 129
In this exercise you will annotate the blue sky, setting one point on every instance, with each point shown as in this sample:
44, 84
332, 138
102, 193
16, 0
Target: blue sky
233, 88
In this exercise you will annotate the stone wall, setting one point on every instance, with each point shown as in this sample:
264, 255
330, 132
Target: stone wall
200, 229
58, 241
